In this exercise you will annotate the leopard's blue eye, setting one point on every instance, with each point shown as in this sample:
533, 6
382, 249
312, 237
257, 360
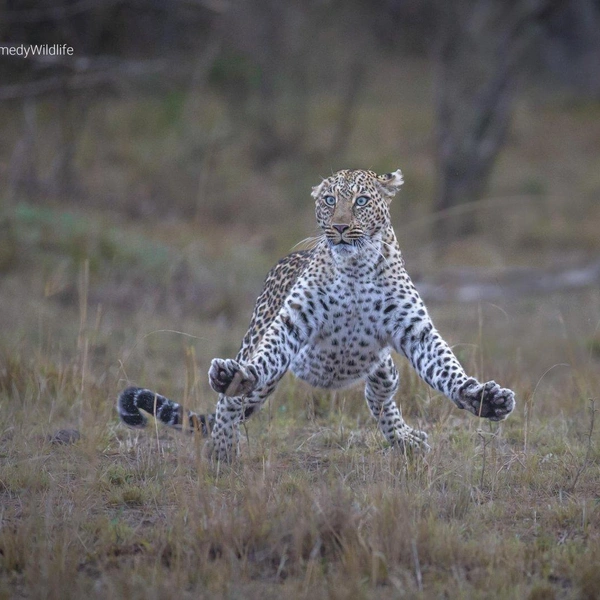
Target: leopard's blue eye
329, 200
362, 200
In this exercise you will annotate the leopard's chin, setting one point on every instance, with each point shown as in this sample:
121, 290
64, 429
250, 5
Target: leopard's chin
343, 249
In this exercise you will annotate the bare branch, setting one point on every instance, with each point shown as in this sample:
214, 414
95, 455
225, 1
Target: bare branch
35, 15
479, 53
90, 73
66, 11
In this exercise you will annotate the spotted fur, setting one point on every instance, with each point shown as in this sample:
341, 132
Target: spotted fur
333, 315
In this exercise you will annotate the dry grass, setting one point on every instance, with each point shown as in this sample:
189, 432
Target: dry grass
317, 506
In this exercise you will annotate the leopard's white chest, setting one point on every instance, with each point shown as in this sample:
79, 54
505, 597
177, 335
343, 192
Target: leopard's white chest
345, 341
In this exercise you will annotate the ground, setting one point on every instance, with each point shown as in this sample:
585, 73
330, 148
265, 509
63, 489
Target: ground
317, 506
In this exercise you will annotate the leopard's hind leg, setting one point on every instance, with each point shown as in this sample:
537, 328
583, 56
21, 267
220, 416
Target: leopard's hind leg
382, 384
231, 411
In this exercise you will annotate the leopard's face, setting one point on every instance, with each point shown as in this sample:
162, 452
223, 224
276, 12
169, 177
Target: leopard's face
352, 208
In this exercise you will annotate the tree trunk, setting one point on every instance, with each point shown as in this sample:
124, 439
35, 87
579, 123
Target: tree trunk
480, 49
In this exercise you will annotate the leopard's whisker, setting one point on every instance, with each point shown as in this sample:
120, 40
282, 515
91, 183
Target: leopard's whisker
374, 247
311, 241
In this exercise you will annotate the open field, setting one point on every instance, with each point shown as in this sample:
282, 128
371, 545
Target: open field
317, 506
96, 296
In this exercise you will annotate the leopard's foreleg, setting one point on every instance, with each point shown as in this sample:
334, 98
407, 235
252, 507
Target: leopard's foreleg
245, 385
436, 364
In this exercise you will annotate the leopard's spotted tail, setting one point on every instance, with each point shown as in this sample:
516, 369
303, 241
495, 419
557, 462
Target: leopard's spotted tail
133, 400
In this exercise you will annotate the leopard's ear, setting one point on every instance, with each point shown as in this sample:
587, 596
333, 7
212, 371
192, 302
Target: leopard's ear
317, 189
390, 183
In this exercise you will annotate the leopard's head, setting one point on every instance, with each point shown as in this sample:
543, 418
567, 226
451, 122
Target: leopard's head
352, 208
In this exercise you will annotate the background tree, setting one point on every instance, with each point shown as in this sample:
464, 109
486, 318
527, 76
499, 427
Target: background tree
290, 79
481, 52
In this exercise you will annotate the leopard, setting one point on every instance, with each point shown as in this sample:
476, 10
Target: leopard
335, 315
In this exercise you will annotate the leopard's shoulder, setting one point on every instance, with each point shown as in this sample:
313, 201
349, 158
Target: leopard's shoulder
278, 283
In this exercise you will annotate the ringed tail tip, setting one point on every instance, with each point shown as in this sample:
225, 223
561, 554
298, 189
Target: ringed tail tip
128, 410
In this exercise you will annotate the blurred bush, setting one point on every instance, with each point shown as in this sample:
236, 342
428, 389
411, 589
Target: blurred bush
229, 111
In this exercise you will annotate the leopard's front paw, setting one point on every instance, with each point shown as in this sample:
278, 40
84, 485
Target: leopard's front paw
227, 376
487, 400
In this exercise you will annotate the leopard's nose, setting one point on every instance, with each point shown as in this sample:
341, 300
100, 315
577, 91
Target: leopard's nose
340, 227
